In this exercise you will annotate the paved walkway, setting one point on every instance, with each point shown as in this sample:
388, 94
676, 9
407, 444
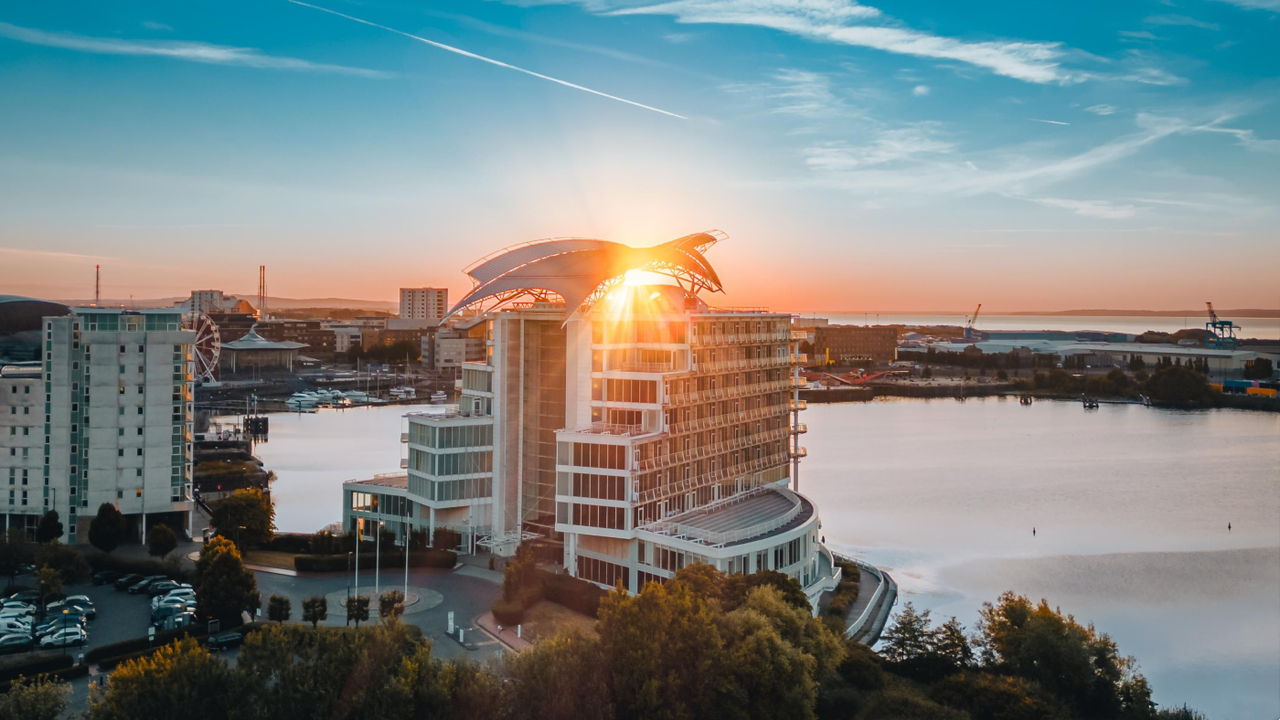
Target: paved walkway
507, 636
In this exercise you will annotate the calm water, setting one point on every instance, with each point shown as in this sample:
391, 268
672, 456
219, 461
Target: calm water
1250, 327
1130, 505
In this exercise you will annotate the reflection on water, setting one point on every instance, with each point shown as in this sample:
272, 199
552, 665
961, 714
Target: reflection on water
1130, 507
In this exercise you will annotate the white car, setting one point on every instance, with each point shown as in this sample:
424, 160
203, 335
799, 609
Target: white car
189, 605
185, 596
13, 612
64, 637
10, 626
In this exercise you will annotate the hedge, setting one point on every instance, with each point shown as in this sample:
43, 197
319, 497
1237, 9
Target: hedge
508, 612
342, 563
571, 592
102, 561
297, 543
36, 665
71, 673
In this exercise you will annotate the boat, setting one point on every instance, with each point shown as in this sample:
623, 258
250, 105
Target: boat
404, 392
439, 397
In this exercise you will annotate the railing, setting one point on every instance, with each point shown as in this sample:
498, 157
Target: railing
709, 449
725, 393
740, 364
446, 415
730, 418
800, 429
799, 405
740, 338
709, 537
799, 335
604, 428
646, 367
404, 437
800, 453
799, 358
689, 484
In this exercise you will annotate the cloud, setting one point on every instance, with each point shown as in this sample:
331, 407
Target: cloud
1272, 5
890, 145
799, 92
679, 38
190, 51
491, 61
920, 90
151, 25
1051, 122
1138, 35
1180, 20
1103, 209
52, 254
1245, 138
1102, 109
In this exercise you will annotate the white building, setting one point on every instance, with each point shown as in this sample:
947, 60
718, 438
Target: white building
111, 421
634, 424
214, 301
424, 303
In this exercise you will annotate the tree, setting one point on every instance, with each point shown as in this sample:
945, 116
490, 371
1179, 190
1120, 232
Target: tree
927, 373
15, 552
390, 604
315, 610
1178, 386
910, 638
560, 677
161, 541
1260, 369
446, 539
108, 528
69, 562
38, 698
358, 609
48, 583
279, 608
223, 584
245, 516
50, 527
179, 680
1002, 375
952, 645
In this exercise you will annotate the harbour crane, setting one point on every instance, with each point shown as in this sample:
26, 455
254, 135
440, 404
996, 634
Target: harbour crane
968, 323
1219, 334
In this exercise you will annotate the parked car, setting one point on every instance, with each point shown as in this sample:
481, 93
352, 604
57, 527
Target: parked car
10, 602
30, 597
15, 613
65, 637
128, 581
146, 582
184, 594
225, 641
58, 623
73, 608
106, 577
165, 586
15, 606
166, 611
173, 622
9, 626
17, 642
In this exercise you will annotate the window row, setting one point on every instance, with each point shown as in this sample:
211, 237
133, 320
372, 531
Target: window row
462, 463
591, 485
605, 573
609, 518
613, 457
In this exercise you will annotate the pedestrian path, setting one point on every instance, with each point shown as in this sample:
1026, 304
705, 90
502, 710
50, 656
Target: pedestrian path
507, 636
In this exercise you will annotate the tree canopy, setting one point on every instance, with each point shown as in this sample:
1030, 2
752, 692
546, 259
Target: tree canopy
50, 527
225, 587
246, 517
161, 541
107, 529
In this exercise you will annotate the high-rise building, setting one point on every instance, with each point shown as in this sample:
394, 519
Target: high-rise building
106, 418
635, 425
424, 303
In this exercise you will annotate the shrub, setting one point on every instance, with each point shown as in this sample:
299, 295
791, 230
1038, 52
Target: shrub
507, 612
846, 593
296, 543
138, 566
36, 665
446, 539
343, 563
573, 593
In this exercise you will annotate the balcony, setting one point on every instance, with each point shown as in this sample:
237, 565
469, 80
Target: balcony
604, 428
731, 418
800, 452
799, 334
798, 405
646, 367
799, 359
726, 393
404, 437
706, 450
680, 487
800, 429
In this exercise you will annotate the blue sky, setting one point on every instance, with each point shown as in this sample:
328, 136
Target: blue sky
890, 156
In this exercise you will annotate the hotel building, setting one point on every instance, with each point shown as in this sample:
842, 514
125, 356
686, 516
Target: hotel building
630, 422
103, 416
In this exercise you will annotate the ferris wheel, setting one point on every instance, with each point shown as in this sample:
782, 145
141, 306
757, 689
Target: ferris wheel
207, 345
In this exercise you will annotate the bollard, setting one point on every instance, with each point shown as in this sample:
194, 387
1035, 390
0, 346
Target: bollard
81, 661
459, 635
450, 622
519, 628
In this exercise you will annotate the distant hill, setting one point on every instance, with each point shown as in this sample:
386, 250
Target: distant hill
1240, 313
273, 303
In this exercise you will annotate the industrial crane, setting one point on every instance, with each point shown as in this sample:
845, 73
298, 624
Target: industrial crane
1219, 334
968, 323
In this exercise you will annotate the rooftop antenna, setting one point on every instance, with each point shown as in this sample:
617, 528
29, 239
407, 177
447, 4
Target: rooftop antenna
97, 286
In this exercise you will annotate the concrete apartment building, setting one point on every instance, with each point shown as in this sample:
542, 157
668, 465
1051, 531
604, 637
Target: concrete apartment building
851, 344
424, 303
104, 417
637, 426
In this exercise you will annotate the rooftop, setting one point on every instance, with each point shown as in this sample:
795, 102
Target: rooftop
749, 516
389, 480
253, 341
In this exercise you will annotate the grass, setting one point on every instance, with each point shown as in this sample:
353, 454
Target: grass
270, 558
546, 619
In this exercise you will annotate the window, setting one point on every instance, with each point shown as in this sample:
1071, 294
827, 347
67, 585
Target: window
137, 493
119, 494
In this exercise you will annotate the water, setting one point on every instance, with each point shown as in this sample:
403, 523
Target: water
1130, 505
1249, 327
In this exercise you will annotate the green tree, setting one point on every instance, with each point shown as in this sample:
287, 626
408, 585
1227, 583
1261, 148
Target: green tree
161, 541
952, 646
315, 610
68, 561
1260, 369
927, 373
50, 527
910, 638
245, 516
390, 604
560, 677
798, 628
179, 680
279, 608
987, 696
107, 529
15, 552
1178, 386
48, 583
38, 698
358, 609
223, 584
768, 677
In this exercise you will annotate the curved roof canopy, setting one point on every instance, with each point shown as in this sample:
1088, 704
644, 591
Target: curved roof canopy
253, 341
21, 314
582, 270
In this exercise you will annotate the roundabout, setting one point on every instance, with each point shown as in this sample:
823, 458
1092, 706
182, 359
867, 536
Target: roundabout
419, 599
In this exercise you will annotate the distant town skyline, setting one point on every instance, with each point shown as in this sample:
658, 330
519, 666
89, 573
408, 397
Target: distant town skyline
908, 157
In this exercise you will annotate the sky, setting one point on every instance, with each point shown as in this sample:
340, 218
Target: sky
909, 156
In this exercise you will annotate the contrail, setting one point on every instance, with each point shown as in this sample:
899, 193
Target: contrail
1051, 122
491, 61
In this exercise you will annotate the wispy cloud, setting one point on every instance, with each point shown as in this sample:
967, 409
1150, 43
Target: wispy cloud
152, 25
1102, 109
1180, 20
1103, 209
920, 90
189, 51
1051, 122
491, 61
1272, 5
52, 254
1138, 35
1246, 138
890, 145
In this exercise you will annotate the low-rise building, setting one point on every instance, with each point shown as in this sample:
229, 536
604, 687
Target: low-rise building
853, 344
